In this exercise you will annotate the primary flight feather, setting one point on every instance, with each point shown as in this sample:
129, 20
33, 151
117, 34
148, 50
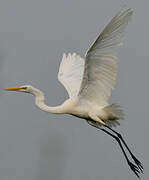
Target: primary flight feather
89, 81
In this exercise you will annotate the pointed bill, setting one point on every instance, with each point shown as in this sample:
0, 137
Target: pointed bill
15, 88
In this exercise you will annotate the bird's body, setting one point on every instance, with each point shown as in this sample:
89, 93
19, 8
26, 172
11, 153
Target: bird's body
71, 106
89, 81
83, 109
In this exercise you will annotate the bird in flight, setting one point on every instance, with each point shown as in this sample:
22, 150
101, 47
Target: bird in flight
89, 81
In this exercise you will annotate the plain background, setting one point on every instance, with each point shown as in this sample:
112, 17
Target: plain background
35, 145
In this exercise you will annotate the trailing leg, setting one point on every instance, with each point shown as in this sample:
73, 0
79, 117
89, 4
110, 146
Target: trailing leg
131, 165
138, 163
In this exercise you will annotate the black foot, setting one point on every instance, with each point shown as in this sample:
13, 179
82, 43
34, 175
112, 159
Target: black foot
135, 169
138, 163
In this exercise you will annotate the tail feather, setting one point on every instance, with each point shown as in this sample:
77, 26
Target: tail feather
116, 113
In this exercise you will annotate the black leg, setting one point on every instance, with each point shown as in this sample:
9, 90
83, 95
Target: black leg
138, 163
134, 168
131, 165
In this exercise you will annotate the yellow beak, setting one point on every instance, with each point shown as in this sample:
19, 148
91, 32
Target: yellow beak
14, 88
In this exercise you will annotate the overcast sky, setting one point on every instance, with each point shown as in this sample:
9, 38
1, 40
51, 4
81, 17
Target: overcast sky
35, 145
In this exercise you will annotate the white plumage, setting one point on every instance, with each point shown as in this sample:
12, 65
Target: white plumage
71, 72
92, 78
89, 82
100, 64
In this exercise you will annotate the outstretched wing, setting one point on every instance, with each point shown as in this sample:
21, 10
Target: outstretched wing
101, 63
71, 73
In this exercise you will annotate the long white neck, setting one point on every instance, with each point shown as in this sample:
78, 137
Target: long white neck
39, 101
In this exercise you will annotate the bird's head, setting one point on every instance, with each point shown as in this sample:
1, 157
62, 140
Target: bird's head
28, 89
24, 88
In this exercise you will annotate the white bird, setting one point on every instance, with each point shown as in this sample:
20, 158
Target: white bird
89, 82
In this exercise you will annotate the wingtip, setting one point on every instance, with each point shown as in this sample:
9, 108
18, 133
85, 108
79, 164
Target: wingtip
126, 10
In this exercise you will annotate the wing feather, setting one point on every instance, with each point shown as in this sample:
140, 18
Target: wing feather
100, 63
71, 73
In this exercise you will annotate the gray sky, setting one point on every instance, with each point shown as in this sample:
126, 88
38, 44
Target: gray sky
35, 145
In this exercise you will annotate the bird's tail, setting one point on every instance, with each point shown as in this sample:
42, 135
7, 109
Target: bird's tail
116, 113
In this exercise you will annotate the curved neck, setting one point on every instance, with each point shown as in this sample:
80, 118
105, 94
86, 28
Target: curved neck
39, 101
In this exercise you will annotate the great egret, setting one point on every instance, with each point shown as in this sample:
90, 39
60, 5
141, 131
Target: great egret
89, 81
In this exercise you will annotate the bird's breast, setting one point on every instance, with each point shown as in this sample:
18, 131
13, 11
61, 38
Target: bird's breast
80, 110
